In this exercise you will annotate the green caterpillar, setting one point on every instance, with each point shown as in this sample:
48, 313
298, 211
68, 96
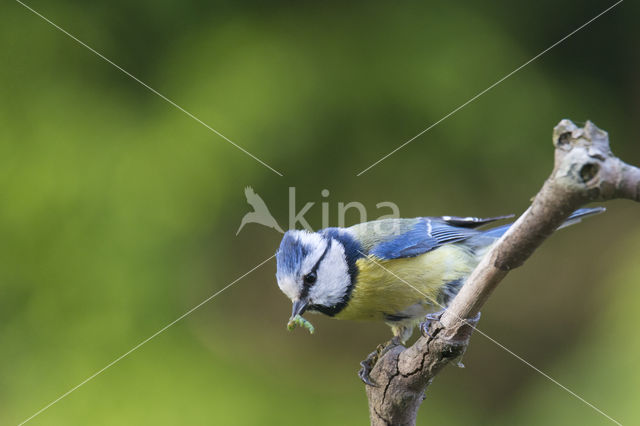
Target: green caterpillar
301, 322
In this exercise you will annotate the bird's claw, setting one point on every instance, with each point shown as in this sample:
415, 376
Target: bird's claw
371, 360
428, 319
436, 316
474, 321
366, 367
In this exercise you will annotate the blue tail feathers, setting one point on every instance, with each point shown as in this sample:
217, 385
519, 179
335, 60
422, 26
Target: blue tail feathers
575, 217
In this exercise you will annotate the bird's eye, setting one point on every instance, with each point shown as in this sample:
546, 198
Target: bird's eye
310, 278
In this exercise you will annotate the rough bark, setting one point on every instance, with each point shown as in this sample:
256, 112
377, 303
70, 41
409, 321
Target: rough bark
585, 170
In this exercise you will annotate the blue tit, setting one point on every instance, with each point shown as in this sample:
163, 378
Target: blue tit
391, 270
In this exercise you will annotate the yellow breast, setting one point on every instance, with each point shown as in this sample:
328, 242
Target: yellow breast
387, 287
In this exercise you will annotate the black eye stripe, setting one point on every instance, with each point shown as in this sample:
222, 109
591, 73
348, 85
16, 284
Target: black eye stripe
307, 286
324, 253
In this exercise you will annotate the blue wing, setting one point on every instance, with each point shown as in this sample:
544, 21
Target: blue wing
429, 233
426, 235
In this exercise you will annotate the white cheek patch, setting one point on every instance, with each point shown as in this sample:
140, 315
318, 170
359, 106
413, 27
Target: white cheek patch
289, 287
333, 278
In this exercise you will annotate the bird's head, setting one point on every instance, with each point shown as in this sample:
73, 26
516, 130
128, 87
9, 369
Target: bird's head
313, 272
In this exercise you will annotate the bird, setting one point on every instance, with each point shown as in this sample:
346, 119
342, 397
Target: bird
260, 213
398, 271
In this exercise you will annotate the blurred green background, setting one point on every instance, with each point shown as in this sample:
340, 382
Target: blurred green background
119, 212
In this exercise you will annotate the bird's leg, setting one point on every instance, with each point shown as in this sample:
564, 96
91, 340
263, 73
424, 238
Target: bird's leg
371, 360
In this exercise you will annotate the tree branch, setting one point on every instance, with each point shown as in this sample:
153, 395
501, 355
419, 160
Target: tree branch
585, 170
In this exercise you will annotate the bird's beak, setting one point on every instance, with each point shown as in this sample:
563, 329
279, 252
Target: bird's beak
299, 306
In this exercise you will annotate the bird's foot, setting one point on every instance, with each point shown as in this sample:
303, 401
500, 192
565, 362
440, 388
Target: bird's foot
436, 316
366, 366
424, 328
371, 360
428, 319
474, 321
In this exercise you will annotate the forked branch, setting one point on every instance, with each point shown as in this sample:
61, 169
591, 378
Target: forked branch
585, 170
